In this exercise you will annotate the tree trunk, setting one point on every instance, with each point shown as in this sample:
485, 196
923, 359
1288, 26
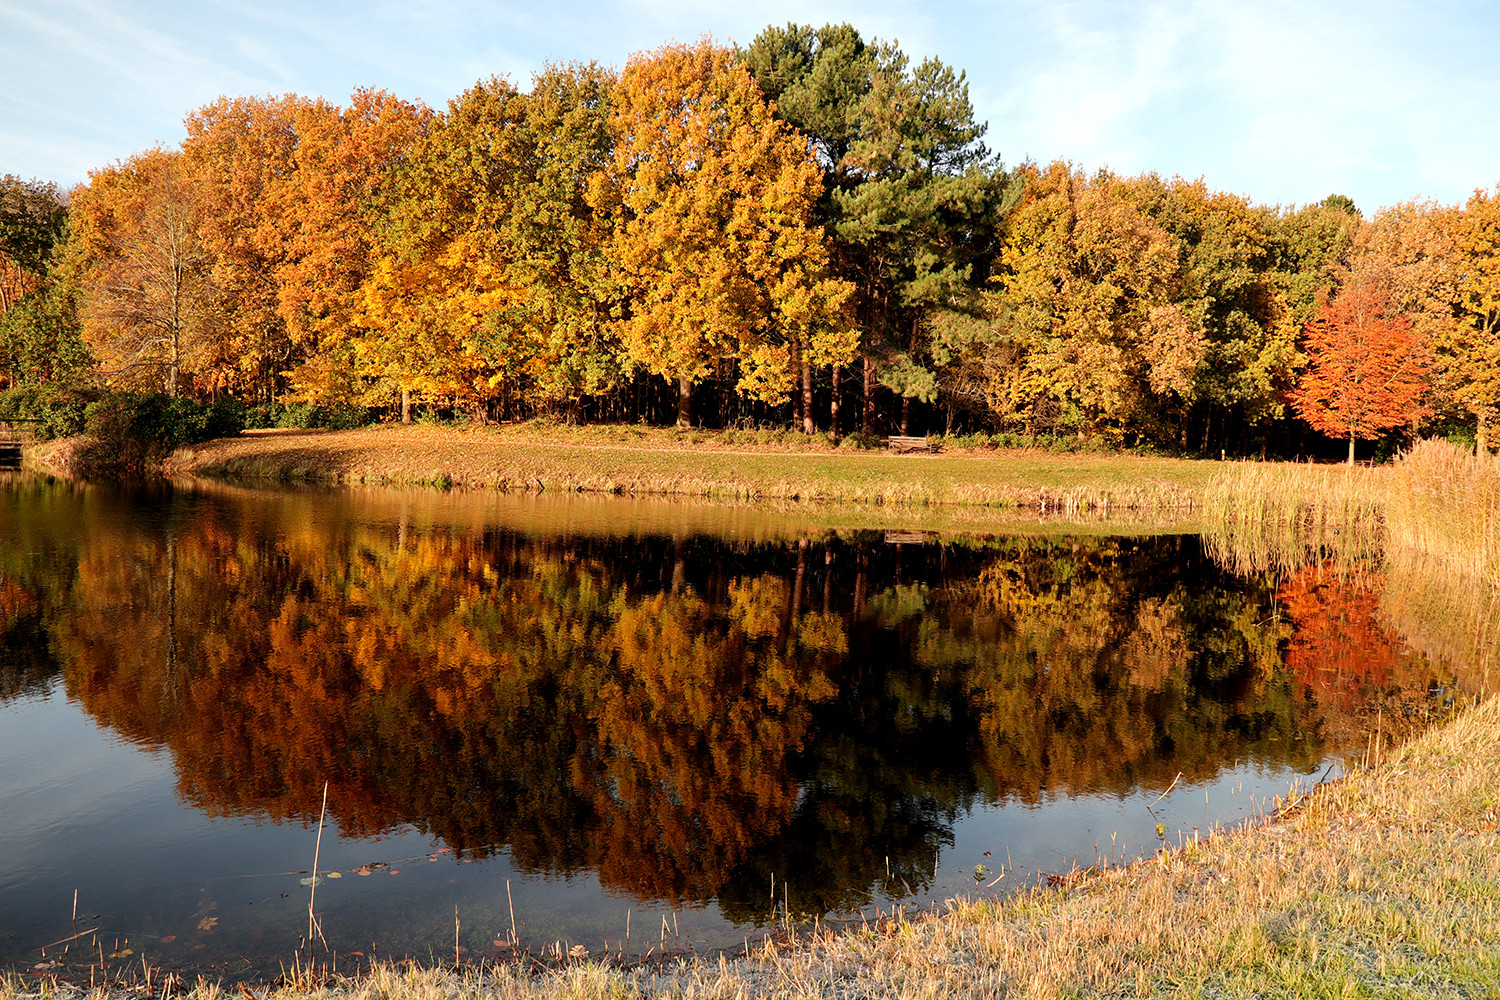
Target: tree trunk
905, 415
405, 405
868, 422
1351, 450
1482, 436
808, 427
174, 362
833, 405
684, 402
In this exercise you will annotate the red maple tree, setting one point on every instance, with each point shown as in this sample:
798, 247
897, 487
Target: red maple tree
1367, 370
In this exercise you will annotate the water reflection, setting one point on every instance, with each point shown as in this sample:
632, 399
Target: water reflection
686, 716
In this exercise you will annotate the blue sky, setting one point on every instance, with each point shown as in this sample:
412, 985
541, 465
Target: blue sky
1284, 101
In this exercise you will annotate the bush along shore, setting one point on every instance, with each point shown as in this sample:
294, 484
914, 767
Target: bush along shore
1383, 883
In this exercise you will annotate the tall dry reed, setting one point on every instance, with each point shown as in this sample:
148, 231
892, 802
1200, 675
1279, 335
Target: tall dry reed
1259, 516
1430, 524
1443, 503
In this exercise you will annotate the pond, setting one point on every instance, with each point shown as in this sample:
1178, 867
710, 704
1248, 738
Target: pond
611, 725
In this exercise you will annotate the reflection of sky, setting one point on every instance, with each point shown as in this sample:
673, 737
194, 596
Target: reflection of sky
82, 809
1079, 830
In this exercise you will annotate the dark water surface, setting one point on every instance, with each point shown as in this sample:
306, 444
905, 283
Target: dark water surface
572, 717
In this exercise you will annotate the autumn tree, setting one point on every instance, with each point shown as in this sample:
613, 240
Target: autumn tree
1469, 354
32, 217
1227, 288
489, 241
910, 192
39, 339
715, 244
151, 308
343, 158
290, 182
1367, 371
243, 150
1088, 331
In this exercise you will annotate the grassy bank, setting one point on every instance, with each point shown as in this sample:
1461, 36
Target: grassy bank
647, 461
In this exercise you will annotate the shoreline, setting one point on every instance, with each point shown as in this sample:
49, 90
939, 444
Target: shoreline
644, 461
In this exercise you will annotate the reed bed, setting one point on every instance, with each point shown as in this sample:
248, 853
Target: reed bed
1429, 525
1443, 503
1284, 517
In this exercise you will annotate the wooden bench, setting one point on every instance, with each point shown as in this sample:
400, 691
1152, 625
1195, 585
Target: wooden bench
901, 445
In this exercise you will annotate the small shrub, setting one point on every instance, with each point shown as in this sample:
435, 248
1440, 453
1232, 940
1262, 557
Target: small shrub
134, 430
859, 441
346, 418
59, 407
299, 416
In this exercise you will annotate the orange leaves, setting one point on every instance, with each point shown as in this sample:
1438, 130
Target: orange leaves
151, 305
1367, 371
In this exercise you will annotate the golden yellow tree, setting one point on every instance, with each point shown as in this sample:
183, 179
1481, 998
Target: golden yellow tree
714, 245
1470, 353
1092, 335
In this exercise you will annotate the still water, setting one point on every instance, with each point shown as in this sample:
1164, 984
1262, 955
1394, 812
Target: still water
627, 726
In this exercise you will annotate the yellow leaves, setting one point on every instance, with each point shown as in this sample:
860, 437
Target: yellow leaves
716, 246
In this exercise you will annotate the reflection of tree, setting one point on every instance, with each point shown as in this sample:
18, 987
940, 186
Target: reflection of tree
686, 717
1341, 652
25, 663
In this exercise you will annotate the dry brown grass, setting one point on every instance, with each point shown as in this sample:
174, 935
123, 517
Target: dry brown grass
1386, 883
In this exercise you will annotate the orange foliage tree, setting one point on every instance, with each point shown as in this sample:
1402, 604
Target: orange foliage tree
1367, 371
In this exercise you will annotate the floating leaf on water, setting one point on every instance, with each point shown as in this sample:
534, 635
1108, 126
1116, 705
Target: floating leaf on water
432, 857
358, 954
122, 953
362, 871
443, 850
335, 875
312, 880
207, 924
395, 871
169, 939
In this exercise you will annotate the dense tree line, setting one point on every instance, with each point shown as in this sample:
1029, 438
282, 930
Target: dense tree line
808, 230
